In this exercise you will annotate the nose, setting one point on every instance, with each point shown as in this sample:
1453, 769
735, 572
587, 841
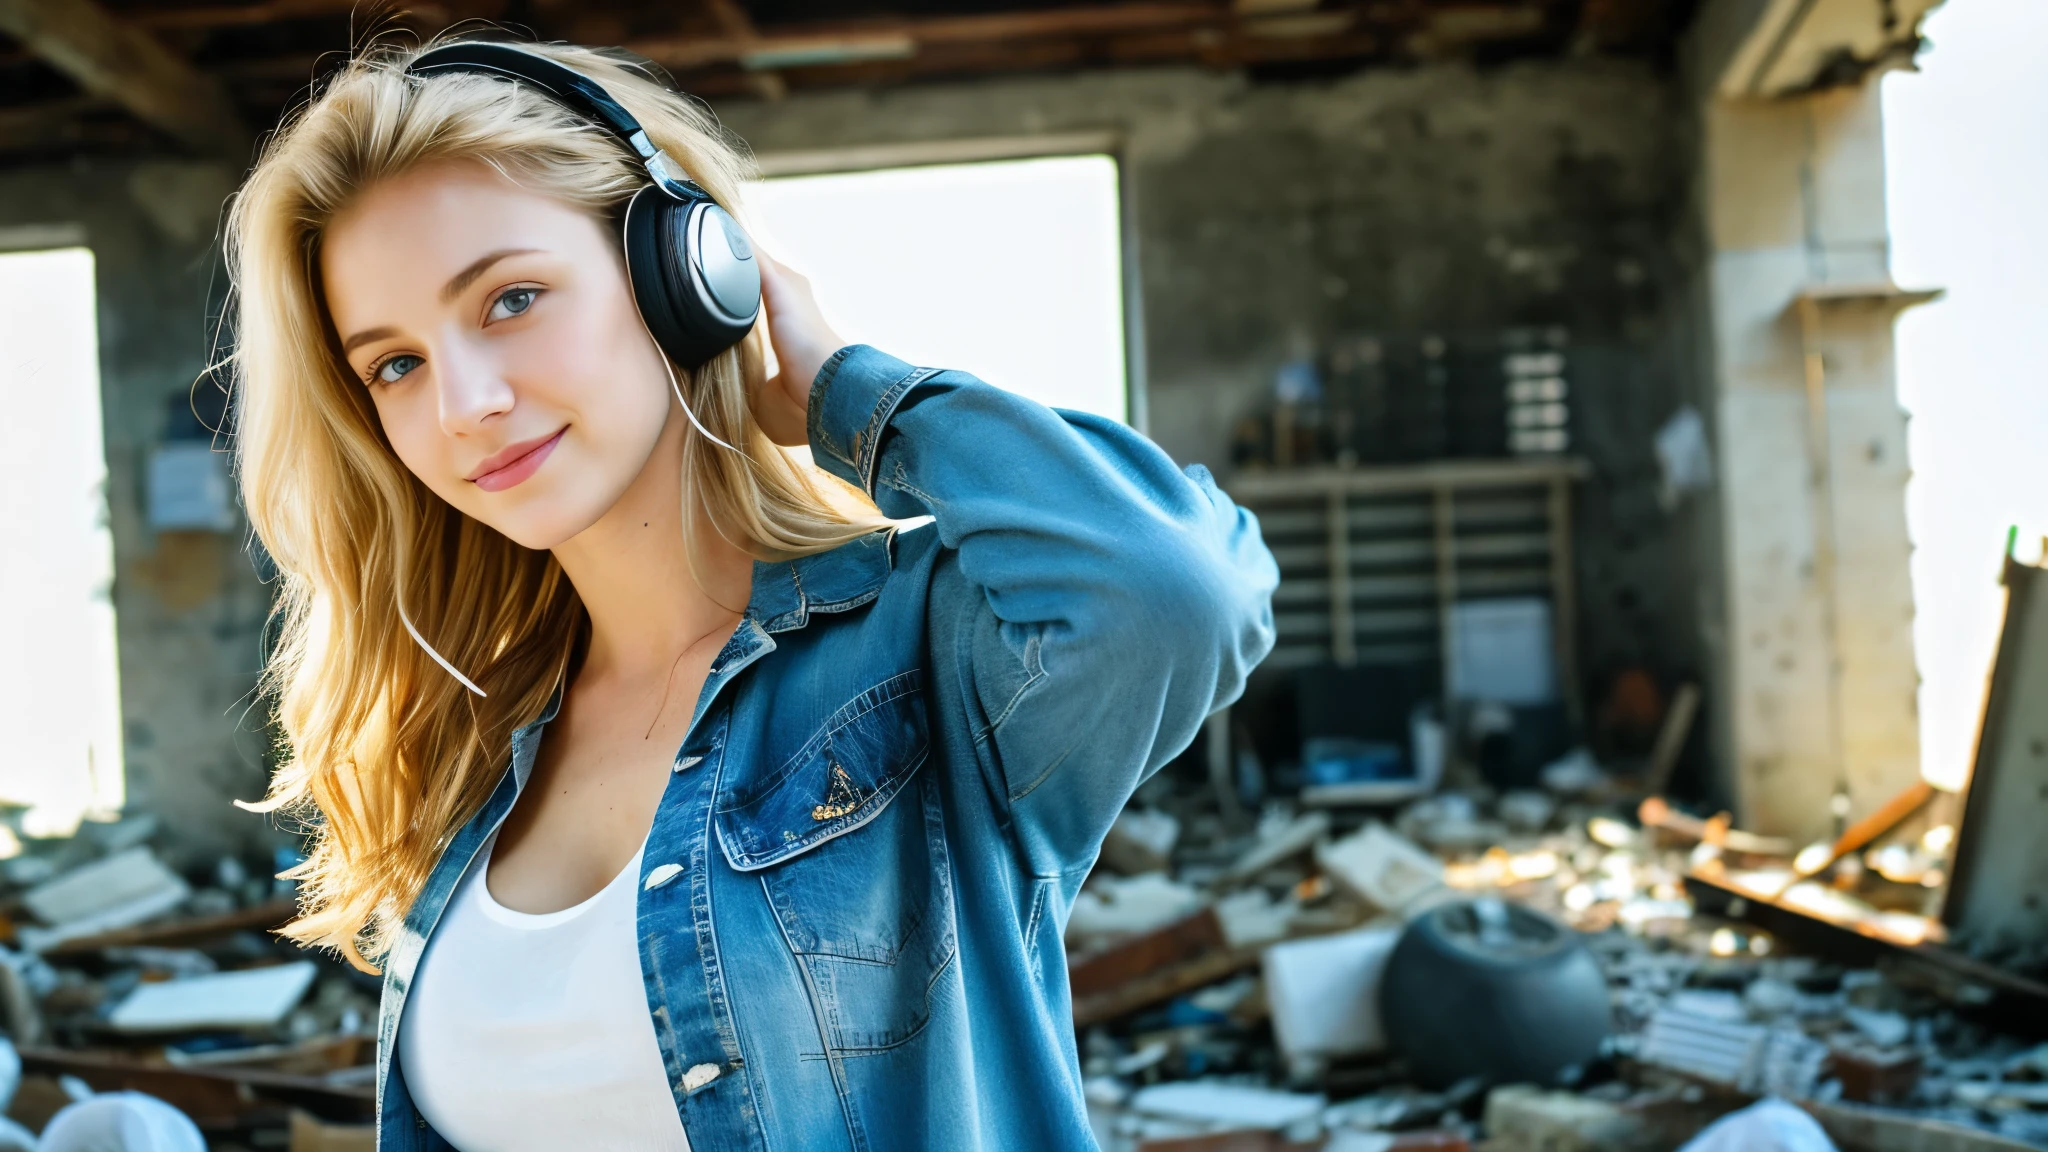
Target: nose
472, 389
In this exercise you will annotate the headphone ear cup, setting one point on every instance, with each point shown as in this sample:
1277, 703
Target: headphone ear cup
693, 273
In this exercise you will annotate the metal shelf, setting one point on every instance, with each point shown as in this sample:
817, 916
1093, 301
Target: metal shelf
1373, 559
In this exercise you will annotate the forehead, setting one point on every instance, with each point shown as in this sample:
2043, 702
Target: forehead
404, 236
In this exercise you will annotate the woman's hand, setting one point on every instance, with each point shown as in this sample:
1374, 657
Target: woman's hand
803, 341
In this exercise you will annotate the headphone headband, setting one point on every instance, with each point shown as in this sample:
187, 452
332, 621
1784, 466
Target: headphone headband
695, 280
572, 88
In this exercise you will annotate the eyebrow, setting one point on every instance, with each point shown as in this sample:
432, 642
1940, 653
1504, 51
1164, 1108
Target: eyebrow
467, 276
449, 292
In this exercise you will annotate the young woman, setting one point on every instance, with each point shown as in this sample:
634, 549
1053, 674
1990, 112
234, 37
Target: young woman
685, 795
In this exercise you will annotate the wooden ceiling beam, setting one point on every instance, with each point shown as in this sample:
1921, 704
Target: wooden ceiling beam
1207, 46
212, 16
109, 57
879, 40
733, 21
49, 125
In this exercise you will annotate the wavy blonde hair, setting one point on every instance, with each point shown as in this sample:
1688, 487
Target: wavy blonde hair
384, 755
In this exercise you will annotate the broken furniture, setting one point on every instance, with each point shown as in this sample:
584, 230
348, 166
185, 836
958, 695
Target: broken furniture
1997, 902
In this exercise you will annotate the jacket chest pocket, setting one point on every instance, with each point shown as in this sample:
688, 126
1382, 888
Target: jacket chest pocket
848, 841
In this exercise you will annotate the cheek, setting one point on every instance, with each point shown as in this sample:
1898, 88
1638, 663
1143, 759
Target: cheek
601, 365
411, 425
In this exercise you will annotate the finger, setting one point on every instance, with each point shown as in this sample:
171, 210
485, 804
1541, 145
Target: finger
781, 280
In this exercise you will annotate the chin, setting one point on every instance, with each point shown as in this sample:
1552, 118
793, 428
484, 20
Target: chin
540, 524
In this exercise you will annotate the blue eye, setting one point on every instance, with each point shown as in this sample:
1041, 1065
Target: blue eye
512, 302
390, 370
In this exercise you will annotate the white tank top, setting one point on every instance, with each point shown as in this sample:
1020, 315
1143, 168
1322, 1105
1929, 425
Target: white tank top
530, 1032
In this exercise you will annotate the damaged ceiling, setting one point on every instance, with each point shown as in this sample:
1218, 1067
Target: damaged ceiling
199, 77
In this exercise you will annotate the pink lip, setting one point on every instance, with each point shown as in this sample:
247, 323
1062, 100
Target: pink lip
515, 463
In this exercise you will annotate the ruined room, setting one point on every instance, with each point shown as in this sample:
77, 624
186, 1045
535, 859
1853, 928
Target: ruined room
1582, 801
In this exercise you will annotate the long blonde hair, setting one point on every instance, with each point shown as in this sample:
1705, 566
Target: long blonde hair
384, 755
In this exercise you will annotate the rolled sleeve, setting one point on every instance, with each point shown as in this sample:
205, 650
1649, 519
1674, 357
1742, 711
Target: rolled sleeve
852, 400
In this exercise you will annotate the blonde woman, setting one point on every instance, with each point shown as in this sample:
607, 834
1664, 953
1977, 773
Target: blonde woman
685, 796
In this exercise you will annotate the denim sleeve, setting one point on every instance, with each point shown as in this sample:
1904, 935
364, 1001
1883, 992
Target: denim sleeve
1120, 599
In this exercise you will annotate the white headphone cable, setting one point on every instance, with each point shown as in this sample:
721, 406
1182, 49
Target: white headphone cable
438, 658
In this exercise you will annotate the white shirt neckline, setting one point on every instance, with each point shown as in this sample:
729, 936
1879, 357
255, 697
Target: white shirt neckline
534, 921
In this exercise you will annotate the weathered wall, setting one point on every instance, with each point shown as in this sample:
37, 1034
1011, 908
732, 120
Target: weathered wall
189, 608
1270, 218
1812, 649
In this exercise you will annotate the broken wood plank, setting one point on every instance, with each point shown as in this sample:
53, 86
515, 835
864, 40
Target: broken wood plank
270, 914
212, 1097
1850, 943
1657, 813
1188, 938
106, 56
1875, 826
1192, 952
1671, 734
1872, 1130
1162, 985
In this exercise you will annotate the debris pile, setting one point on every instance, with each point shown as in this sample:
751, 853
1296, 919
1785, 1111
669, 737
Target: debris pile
1565, 968
138, 993
1570, 968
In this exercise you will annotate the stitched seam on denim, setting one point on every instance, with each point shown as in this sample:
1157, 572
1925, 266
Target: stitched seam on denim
871, 437
849, 602
885, 407
418, 933
901, 483
819, 1016
883, 957
1028, 789
914, 1033
1010, 707
846, 714
707, 931
1031, 661
803, 606
827, 375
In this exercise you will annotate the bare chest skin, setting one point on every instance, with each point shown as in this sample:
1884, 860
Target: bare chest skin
603, 764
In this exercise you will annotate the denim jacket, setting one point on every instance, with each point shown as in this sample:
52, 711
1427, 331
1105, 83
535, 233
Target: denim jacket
900, 770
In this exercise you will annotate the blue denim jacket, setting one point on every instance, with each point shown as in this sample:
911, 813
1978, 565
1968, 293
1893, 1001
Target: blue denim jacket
901, 769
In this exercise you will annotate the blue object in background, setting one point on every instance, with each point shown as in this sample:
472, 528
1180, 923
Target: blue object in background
1340, 760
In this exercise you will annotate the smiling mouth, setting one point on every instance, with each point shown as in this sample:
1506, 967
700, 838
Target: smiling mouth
514, 464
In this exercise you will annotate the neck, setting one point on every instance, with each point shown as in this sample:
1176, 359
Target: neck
635, 577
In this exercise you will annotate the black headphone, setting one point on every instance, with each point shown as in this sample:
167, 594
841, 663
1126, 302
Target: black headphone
693, 273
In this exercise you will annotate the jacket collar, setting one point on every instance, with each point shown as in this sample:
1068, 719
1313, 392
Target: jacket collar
786, 592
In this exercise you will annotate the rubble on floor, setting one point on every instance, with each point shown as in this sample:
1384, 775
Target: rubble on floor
1572, 968
1654, 970
154, 1000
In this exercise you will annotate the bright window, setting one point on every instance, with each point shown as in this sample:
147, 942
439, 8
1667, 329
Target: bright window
1963, 177
1009, 269
59, 688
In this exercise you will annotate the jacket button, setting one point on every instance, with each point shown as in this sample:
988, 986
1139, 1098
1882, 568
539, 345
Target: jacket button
699, 1076
662, 874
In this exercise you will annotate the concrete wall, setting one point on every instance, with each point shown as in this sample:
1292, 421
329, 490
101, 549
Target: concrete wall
1270, 218
1812, 651
189, 608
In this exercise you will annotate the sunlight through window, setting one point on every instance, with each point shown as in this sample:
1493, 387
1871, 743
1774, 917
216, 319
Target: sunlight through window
59, 688
1011, 269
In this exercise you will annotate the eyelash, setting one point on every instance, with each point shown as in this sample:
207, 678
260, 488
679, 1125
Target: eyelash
370, 374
